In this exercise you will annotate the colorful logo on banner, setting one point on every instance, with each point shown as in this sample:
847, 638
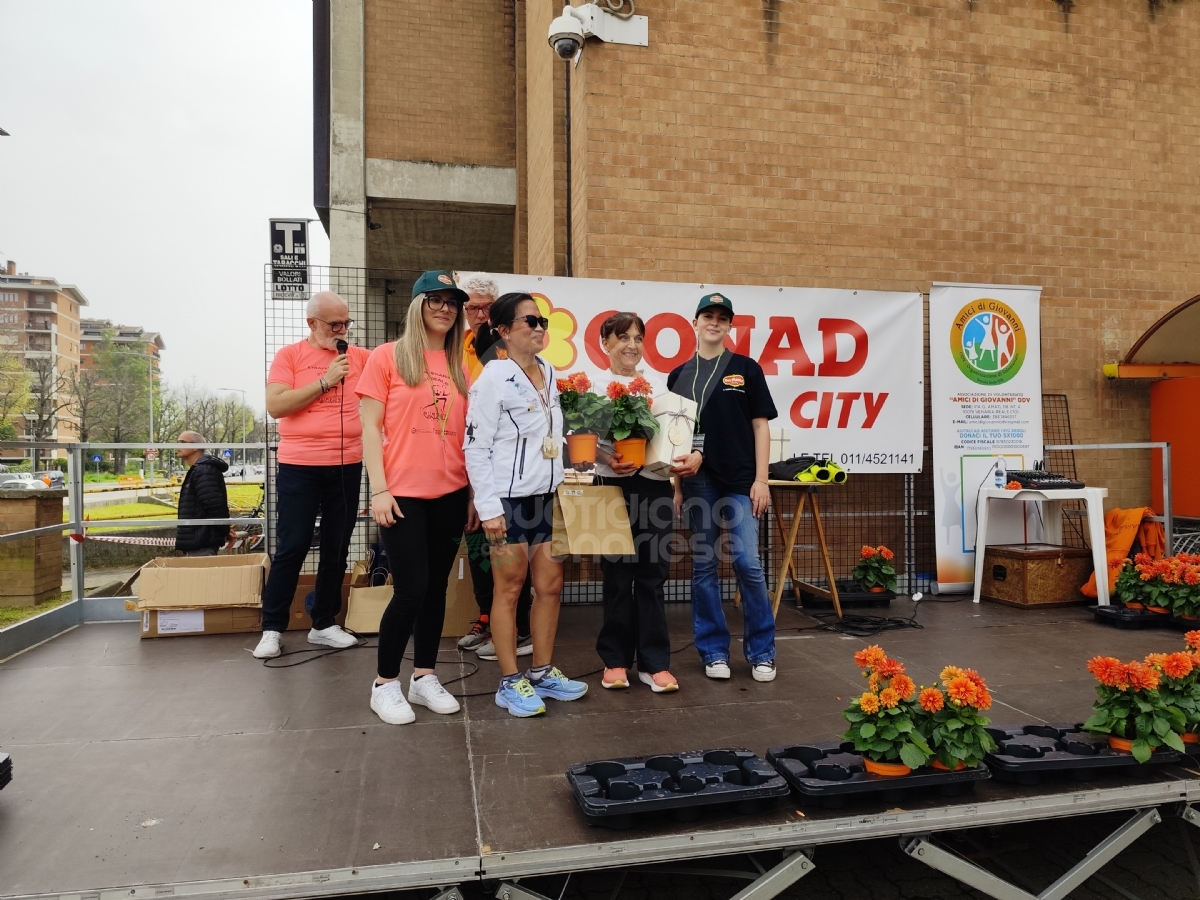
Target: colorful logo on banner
560, 346
987, 341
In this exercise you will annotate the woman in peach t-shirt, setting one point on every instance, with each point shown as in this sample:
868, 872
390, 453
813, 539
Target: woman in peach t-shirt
414, 406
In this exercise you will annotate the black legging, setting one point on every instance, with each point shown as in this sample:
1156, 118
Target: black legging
420, 548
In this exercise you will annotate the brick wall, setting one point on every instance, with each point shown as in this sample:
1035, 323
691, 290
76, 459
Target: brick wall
889, 145
434, 95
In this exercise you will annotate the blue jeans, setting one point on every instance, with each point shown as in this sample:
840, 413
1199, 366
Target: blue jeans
707, 509
305, 491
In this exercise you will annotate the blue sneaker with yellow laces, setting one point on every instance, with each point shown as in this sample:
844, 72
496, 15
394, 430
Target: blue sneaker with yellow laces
549, 681
517, 695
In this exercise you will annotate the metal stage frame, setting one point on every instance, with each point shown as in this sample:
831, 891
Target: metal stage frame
105, 728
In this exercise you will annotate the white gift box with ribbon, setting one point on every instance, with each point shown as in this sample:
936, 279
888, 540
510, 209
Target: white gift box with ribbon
676, 417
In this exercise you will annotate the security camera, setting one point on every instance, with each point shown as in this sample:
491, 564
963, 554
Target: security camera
566, 34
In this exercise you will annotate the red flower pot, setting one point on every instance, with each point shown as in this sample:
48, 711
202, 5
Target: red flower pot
1118, 743
1161, 610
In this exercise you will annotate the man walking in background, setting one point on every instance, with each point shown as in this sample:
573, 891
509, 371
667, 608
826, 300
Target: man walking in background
201, 497
310, 390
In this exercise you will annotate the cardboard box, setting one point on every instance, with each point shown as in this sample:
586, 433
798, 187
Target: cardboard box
300, 620
367, 604
591, 520
781, 445
676, 417
461, 608
203, 582
1035, 575
185, 622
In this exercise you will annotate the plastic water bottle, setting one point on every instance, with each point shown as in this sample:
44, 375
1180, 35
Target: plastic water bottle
1001, 472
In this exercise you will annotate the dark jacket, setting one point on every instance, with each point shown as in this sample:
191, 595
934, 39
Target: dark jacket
203, 497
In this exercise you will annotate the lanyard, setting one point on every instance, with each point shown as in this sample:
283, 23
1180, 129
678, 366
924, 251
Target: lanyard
441, 419
700, 399
544, 401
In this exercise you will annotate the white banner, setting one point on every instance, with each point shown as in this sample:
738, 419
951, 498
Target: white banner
985, 374
844, 367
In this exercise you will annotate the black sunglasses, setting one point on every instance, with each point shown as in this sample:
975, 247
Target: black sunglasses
534, 322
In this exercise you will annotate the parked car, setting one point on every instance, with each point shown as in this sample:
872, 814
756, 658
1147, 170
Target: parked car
20, 481
234, 472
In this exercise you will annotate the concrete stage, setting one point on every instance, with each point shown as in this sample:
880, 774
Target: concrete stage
183, 767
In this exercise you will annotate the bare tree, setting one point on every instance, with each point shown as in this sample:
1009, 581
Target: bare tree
50, 395
85, 392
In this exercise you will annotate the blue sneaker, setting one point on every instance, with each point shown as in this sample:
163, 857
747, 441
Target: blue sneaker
557, 686
519, 698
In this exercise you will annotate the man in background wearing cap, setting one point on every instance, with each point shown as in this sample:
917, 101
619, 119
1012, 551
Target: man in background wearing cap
722, 483
310, 390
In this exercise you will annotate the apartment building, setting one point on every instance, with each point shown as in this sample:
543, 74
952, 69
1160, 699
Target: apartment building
129, 337
40, 325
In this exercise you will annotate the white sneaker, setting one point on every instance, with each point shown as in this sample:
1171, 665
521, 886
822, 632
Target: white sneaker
333, 636
488, 650
718, 669
764, 671
427, 691
387, 701
268, 645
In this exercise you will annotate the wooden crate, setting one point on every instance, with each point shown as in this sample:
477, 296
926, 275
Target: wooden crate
1035, 575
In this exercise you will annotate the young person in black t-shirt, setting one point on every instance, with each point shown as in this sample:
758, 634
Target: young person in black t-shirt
722, 483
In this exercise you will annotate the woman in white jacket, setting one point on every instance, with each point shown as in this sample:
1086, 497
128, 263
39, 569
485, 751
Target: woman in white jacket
513, 447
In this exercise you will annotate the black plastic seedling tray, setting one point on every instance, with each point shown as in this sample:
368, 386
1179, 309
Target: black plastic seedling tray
1028, 753
615, 792
850, 596
1121, 617
5, 769
831, 773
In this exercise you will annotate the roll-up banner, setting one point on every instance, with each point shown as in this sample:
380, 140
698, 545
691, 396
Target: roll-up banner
985, 372
844, 366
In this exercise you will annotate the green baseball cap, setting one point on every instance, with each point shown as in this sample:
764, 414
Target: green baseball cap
438, 281
708, 301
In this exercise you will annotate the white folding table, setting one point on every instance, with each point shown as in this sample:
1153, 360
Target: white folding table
1093, 498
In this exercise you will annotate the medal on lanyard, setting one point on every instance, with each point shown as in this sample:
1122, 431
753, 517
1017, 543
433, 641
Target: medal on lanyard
549, 444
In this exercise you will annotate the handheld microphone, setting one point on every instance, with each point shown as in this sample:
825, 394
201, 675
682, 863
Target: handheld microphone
342, 347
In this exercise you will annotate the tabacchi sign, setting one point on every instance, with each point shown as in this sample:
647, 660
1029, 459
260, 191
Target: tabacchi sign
844, 366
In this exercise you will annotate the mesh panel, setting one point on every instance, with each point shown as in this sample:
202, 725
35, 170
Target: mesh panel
1056, 429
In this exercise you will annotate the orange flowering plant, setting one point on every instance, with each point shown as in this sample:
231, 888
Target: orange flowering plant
1130, 706
882, 719
584, 412
950, 718
1179, 680
874, 568
1172, 582
631, 410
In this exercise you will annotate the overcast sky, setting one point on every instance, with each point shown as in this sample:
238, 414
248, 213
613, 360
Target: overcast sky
150, 143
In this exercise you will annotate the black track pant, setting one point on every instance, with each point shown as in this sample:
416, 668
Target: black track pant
420, 548
635, 619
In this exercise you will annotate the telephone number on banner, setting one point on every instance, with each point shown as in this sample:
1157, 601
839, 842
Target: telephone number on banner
877, 459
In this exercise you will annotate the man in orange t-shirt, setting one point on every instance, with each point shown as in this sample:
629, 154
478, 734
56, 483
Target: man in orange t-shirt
310, 390
481, 294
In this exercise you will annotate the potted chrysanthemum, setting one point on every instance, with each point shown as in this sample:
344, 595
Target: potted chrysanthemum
882, 719
950, 719
1130, 709
1179, 683
586, 416
874, 571
632, 424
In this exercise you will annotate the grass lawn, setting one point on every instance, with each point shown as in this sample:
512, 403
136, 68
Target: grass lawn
10, 615
128, 511
243, 497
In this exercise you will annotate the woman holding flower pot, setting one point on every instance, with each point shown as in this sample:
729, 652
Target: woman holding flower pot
635, 619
